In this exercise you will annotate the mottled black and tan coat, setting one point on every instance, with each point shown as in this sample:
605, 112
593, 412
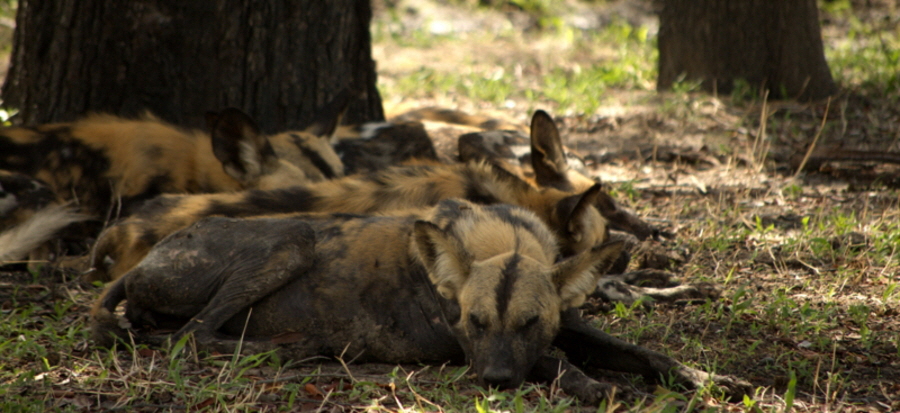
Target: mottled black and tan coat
414, 185
105, 166
455, 282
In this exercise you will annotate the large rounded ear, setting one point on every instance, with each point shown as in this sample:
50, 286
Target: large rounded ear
547, 155
577, 276
446, 260
578, 218
329, 116
245, 153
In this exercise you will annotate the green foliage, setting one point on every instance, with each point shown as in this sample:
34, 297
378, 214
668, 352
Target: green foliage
797, 308
868, 57
580, 88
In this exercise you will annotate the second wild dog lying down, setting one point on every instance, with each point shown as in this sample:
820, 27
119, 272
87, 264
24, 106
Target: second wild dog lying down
398, 187
104, 159
577, 224
106, 166
457, 282
547, 164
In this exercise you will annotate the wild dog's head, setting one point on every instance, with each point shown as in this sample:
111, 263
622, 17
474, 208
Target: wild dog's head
551, 169
495, 267
247, 155
313, 149
286, 159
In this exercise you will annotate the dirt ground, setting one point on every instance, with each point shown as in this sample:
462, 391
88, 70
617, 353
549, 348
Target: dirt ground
703, 169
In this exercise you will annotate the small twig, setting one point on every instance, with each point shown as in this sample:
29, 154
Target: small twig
419, 397
815, 139
761, 133
130, 407
344, 364
324, 400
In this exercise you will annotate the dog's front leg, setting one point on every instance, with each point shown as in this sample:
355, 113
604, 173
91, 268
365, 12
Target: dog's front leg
588, 346
571, 379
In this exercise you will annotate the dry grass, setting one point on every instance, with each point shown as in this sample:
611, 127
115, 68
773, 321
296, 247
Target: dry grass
807, 263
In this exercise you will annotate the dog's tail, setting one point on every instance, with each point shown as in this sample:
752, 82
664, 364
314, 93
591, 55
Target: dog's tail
17, 242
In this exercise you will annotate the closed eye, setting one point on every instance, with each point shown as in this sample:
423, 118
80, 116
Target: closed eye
531, 322
476, 323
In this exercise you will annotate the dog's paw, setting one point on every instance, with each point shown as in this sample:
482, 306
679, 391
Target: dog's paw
649, 277
733, 387
592, 392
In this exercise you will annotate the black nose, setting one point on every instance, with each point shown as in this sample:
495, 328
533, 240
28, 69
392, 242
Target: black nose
499, 377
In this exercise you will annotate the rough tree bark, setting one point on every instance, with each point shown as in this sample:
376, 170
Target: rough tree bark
278, 60
775, 44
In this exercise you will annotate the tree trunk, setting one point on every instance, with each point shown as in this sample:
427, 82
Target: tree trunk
772, 44
278, 60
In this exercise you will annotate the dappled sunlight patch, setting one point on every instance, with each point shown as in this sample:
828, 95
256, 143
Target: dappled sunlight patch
807, 263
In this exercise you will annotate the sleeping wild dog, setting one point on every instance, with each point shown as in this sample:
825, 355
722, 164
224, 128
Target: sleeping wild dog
455, 282
553, 190
413, 185
540, 159
545, 162
105, 166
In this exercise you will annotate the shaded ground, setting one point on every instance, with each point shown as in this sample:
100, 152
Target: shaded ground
807, 265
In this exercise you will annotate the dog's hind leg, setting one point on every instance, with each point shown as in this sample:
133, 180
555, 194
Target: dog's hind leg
590, 347
241, 290
211, 271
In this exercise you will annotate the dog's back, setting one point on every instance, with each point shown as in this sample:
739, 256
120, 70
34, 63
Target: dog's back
105, 166
577, 224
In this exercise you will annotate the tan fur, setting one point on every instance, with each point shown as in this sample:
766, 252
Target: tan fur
457, 117
286, 144
183, 155
140, 149
396, 188
105, 165
466, 269
500, 259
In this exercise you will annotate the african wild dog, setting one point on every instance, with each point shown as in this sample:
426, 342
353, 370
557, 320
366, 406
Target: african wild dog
437, 115
455, 282
104, 159
106, 165
374, 146
399, 187
540, 159
546, 163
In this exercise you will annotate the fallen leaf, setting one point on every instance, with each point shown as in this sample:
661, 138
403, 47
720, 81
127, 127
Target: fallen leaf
313, 391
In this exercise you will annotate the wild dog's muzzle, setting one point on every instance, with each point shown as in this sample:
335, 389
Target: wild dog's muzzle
504, 363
